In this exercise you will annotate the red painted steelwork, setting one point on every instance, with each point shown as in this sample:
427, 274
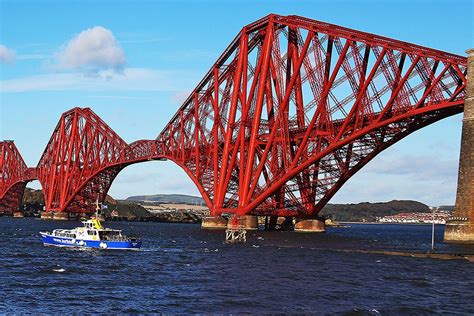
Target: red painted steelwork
289, 112
294, 107
80, 162
14, 174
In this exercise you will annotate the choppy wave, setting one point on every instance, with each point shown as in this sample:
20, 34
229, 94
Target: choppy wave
183, 269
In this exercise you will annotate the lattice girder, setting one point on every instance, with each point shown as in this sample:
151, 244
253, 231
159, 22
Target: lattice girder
81, 145
293, 98
288, 113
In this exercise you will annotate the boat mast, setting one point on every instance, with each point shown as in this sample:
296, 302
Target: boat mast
97, 208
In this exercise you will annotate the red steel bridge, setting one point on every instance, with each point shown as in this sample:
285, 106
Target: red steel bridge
288, 113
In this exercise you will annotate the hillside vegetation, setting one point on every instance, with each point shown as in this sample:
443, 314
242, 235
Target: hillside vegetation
168, 199
33, 201
32, 196
369, 211
130, 208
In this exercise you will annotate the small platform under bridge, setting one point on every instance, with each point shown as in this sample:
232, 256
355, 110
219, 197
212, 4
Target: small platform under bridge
235, 233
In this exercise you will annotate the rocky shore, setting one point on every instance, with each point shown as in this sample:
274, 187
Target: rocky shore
171, 216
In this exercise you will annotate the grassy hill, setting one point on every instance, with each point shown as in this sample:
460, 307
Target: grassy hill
449, 208
369, 211
126, 209
167, 199
33, 200
340, 212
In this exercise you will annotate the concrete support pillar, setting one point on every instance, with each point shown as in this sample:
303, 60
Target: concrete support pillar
46, 215
247, 222
214, 222
61, 216
460, 228
310, 226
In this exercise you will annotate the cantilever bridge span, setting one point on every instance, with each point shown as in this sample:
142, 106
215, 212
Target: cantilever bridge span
287, 114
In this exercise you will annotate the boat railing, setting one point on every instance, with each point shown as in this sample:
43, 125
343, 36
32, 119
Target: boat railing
64, 233
115, 238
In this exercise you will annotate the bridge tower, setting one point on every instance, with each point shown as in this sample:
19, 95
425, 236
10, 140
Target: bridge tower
460, 228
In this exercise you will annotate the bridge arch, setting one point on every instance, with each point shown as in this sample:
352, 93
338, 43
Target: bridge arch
346, 174
291, 110
11, 200
97, 184
293, 99
14, 176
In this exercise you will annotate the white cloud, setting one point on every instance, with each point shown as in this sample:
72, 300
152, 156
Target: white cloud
92, 51
131, 79
7, 55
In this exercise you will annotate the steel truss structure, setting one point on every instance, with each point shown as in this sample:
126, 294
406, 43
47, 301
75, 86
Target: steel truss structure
290, 111
14, 175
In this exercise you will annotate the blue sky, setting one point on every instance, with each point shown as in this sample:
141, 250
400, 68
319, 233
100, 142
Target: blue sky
161, 49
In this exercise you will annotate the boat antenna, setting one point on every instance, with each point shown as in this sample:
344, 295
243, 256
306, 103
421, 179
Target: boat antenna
97, 208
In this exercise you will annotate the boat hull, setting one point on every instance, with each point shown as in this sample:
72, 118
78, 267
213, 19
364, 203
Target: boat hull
49, 240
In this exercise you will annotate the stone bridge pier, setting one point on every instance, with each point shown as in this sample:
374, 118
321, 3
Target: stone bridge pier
460, 228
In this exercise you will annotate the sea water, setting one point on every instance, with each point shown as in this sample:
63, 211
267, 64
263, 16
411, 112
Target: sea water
183, 269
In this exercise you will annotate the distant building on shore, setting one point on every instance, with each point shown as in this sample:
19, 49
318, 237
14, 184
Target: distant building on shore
440, 217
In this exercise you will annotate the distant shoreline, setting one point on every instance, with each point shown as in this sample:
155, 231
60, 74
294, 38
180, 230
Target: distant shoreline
379, 223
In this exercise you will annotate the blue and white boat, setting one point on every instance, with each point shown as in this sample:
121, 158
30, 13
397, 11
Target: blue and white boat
92, 235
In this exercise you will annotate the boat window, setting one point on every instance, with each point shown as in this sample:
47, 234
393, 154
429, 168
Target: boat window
111, 235
65, 234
